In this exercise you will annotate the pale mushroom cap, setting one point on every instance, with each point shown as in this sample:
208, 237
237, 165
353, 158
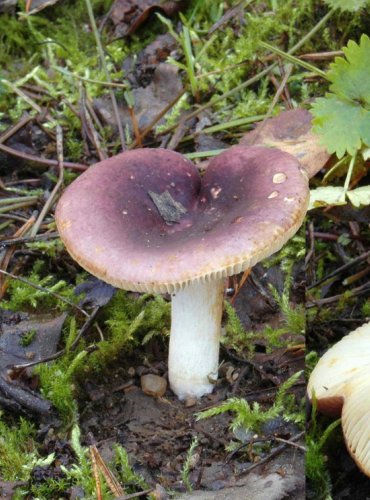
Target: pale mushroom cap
341, 384
246, 206
347, 358
356, 419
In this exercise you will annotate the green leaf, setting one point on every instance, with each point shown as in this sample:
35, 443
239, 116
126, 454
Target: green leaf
360, 196
351, 77
350, 5
327, 195
335, 195
342, 117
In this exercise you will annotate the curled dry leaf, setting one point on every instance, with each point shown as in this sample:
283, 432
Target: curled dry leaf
291, 131
128, 15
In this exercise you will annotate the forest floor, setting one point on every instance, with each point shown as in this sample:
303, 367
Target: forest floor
77, 418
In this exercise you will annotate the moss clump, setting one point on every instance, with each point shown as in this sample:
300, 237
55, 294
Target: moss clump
253, 417
128, 321
24, 297
18, 450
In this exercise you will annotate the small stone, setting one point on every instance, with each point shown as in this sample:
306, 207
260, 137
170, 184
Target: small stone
190, 401
153, 385
131, 372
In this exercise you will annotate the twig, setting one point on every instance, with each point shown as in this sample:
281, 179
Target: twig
240, 284
360, 290
156, 119
17, 199
41, 161
112, 482
8, 253
94, 136
28, 239
135, 495
46, 290
273, 454
340, 269
57, 186
14, 129
290, 443
89, 80
277, 95
99, 494
15, 206
107, 75
321, 56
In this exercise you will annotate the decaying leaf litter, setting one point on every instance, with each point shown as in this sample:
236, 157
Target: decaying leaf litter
71, 382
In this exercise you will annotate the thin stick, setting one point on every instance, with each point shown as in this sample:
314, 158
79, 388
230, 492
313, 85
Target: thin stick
57, 186
273, 454
28, 239
360, 290
99, 494
135, 495
89, 80
15, 206
340, 269
321, 56
156, 119
41, 161
14, 129
111, 480
6, 256
17, 199
107, 75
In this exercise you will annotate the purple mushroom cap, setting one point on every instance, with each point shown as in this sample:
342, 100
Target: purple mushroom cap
249, 202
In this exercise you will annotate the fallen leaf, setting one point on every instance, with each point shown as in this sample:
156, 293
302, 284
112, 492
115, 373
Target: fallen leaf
20, 342
128, 15
149, 101
97, 292
38, 5
291, 132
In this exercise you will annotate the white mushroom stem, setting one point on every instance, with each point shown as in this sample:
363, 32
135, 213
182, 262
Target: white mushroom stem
195, 338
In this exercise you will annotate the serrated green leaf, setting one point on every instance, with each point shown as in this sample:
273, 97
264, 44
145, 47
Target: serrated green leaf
342, 117
342, 125
360, 196
351, 77
335, 195
326, 195
350, 5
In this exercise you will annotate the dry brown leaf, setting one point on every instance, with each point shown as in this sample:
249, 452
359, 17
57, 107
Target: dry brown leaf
291, 132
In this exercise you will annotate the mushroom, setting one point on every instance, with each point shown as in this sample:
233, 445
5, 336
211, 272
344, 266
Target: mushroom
146, 221
340, 383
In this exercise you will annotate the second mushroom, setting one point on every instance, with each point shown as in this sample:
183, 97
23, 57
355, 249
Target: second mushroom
146, 221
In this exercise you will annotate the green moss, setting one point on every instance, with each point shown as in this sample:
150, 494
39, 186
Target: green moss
24, 297
128, 321
27, 338
17, 450
252, 417
318, 438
